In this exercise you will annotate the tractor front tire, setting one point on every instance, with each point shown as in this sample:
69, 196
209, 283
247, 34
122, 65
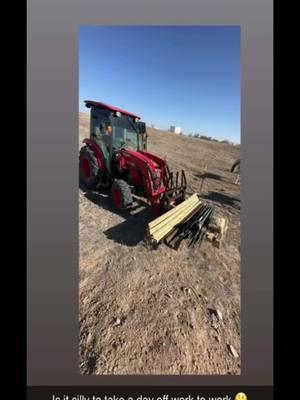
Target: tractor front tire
121, 194
88, 168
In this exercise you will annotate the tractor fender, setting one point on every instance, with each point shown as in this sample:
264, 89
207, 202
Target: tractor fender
98, 153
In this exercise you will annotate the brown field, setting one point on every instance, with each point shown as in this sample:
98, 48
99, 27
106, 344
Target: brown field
151, 311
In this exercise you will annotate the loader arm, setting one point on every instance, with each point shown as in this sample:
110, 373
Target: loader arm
153, 170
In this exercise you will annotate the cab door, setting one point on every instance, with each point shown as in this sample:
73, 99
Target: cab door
101, 135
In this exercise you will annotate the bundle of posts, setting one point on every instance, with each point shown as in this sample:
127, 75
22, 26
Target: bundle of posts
187, 220
194, 229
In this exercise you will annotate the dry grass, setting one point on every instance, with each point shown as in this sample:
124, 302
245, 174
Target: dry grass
148, 312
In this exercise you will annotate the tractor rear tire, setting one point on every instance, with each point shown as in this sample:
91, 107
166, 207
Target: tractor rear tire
121, 194
88, 168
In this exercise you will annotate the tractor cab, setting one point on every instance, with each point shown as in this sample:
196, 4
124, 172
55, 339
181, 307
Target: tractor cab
113, 129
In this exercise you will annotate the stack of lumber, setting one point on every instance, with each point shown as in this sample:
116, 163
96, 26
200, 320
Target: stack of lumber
164, 225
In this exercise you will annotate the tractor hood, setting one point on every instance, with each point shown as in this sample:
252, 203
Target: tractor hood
149, 159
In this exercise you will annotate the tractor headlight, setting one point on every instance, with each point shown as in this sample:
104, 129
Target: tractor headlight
118, 114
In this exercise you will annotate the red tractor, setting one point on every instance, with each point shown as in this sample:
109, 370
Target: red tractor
115, 156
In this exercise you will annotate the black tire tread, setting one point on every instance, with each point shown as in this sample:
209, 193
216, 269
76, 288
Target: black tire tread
87, 152
125, 190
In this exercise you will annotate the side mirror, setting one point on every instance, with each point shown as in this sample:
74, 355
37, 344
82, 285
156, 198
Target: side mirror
141, 126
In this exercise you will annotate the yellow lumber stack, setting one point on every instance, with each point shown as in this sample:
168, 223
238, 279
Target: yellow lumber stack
162, 226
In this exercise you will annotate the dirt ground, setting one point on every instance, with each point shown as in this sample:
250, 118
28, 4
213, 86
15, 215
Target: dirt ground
154, 311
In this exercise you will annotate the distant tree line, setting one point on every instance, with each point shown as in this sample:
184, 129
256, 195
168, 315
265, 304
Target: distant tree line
204, 137
209, 138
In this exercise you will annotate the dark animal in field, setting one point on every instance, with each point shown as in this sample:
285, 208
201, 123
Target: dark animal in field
236, 164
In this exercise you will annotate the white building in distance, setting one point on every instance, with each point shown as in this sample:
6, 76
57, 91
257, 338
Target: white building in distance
175, 129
